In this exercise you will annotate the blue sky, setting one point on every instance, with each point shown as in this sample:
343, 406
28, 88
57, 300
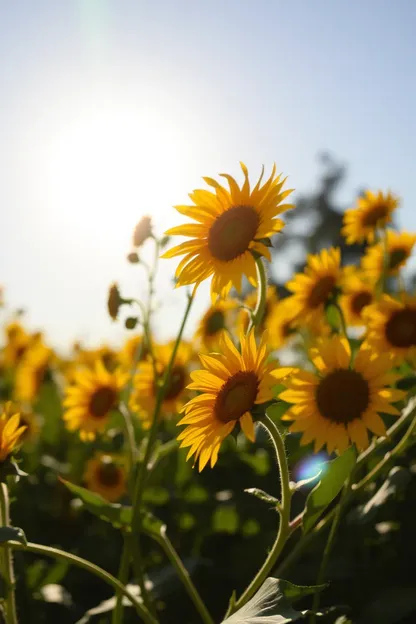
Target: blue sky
111, 110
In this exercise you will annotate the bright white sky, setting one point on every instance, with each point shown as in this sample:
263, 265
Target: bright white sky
112, 110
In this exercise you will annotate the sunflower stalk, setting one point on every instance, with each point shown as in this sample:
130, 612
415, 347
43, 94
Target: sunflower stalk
284, 530
7, 560
260, 308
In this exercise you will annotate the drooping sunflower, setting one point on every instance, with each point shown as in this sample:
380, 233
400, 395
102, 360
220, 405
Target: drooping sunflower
31, 371
11, 431
231, 225
313, 288
91, 398
373, 211
231, 383
250, 302
391, 326
145, 385
358, 293
341, 401
216, 320
106, 475
398, 246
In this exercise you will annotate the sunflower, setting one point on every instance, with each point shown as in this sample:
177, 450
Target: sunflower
29, 420
231, 227
391, 326
31, 372
357, 295
90, 400
17, 343
398, 245
106, 475
374, 211
134, 350
250, 302
216, 321
341, 401
11, 431
314, 288
232, 384
145, 385
282, 323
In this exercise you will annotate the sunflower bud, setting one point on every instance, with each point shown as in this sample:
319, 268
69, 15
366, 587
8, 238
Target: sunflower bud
131, 322
133, 257
142, 231
114, 301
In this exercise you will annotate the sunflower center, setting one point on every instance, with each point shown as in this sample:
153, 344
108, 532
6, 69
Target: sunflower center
360, 301
108, 473
232, 232
396, 257
214, 323
236, 396
176, 383
321, 291
102, 401
373, 216
342, 396
401, 328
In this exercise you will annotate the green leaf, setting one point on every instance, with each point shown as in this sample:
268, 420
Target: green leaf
262, 495
276, 411
272, 604
9, 533
9, 468
295, 486
328, 487
117, 515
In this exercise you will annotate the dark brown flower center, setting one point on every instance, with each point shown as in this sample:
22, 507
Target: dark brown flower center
214, 323
321, 291
376, 214
108, 474
232, 232
342, 396
176, 383
396, 257
360, 300
400, 329
102, 401
236, 396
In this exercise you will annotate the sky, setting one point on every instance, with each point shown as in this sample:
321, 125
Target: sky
110, 110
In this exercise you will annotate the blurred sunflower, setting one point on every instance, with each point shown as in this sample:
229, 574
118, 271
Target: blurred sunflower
17, 343
216, 320
231, 384
338, 404
357, 295
145, 385
133, 350
11, 431
399, 247
106, 475
373, 211
231, 225
29, 420
391, 326
250, 302
90, 400
31, 371
282, 324
313, 289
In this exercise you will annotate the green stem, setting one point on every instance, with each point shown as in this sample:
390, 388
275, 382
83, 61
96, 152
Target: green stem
130, 437
108, 578
284, 526
328, 548
341, 318
123, 573
260, 308
8, 572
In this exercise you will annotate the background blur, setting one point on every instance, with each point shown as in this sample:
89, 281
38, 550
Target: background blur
112, 110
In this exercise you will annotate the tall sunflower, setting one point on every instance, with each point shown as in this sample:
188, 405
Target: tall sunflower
232, 384
250, 302
90, 400
341, 401
373, 211
398, 246
357, 295
11, 431
231, 225
313, 288
106, 475
391, 326
216, 320
146, 385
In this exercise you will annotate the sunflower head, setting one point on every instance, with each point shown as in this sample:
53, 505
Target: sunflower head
399, 247
282, 323
231, 385
105, 474
31, 372
391, 326
316, 286
11, 430
358, 293
216, 320
114, 301
373, 211
342, 400
232, 224
90, 400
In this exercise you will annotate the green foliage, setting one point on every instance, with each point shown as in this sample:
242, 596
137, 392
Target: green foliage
9, 533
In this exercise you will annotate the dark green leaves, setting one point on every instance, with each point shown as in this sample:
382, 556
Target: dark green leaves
328, 487
272, 604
